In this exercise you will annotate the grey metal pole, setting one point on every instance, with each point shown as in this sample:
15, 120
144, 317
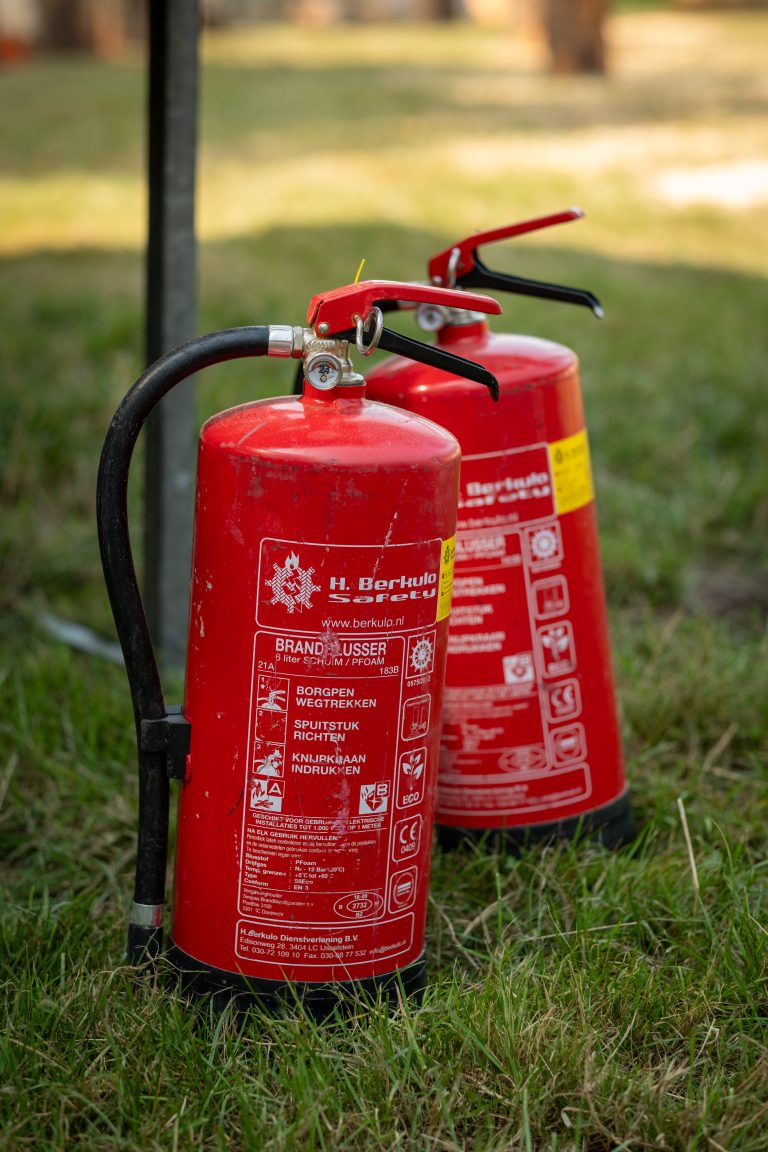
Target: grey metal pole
171, 303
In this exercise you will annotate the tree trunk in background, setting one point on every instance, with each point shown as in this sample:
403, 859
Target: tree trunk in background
98, 26
64, 26
444, 9
574, 33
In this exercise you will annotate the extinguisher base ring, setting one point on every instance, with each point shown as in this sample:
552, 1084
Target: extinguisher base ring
320, 1000
611, 824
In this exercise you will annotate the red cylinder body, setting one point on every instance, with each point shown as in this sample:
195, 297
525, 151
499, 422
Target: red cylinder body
317, 645
530, 738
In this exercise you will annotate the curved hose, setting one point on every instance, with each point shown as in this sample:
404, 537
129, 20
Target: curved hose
145, 932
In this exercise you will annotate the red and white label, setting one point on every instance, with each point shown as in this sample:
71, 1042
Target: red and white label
511, 740
503, 488
340, 588
334, 856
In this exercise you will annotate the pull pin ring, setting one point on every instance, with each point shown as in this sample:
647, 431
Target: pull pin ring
361, 327
453, 265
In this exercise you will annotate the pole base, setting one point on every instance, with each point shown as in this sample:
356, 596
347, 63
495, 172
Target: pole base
611, 825
319, 1000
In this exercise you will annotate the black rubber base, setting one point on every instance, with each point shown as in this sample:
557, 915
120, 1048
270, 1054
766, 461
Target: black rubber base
319, 1000
612, 825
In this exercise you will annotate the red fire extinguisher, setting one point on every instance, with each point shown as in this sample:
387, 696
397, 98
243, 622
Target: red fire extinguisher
307, 745
530, 738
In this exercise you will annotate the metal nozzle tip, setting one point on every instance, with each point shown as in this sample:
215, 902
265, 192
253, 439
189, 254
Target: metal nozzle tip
599, 311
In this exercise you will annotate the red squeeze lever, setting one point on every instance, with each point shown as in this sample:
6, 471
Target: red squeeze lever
341, 308
439, 265
459, 264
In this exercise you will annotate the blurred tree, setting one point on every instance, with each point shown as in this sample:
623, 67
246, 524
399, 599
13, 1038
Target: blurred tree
100, 26
444, 9
574, 34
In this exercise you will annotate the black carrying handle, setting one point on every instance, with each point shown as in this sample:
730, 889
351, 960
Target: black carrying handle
430, 354
437, 357
145, 932
480, 276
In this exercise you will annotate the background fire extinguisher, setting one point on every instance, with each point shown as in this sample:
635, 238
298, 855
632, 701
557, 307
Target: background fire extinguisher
307, 745
530, 740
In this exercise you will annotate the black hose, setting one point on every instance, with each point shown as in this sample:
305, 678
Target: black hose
298, 379
145, 940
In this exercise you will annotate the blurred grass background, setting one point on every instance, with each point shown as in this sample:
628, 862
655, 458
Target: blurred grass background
578, 999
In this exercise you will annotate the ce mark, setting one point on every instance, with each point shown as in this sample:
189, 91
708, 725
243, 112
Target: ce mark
407, 838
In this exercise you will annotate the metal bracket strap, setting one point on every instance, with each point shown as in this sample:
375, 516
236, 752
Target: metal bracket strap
172, 735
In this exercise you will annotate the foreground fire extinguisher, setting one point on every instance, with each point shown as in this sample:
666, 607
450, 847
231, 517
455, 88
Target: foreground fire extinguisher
308, 741
530, 739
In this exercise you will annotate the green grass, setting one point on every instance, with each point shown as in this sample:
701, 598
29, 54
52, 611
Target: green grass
578, 999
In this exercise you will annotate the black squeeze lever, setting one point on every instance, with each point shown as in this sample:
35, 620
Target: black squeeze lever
460, 265
437, 357
482, 277
429, 354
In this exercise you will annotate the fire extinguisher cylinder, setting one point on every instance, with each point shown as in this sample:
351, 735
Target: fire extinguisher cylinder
530, 745
306, 748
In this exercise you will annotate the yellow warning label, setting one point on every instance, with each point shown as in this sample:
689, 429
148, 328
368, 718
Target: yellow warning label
572, 472
446, 578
